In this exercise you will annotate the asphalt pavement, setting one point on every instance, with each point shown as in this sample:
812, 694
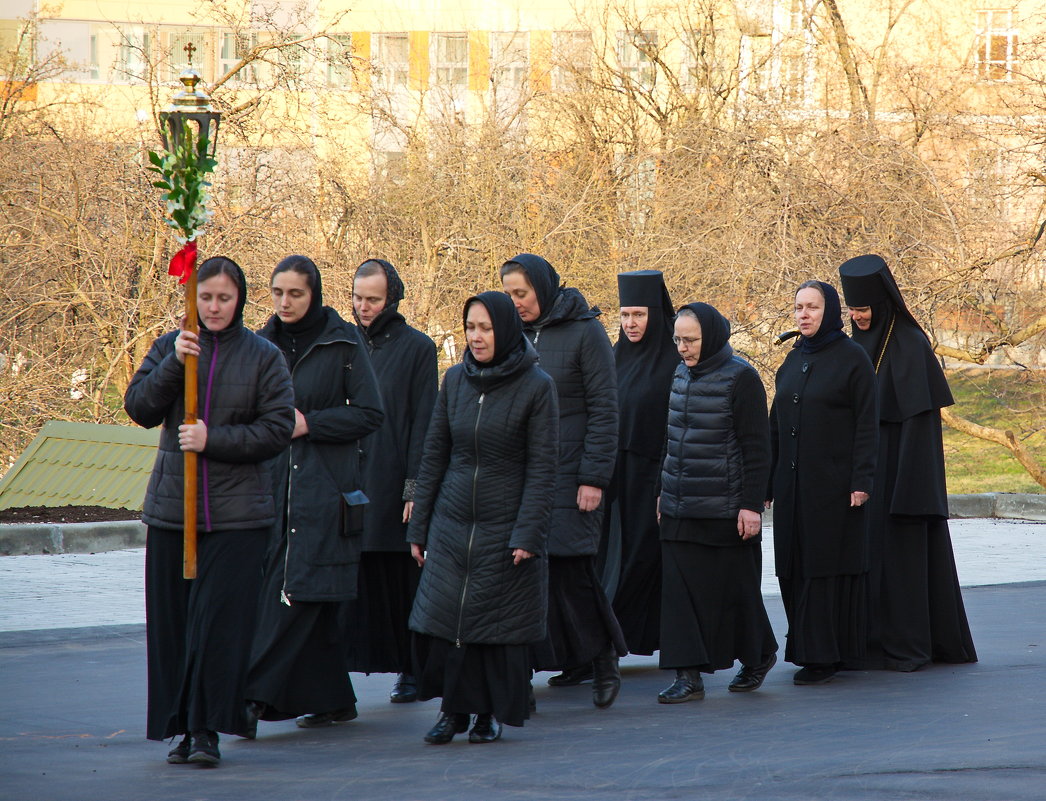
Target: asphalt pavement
72, 712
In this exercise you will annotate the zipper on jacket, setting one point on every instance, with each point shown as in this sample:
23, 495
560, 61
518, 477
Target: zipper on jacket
284, 598
472, 532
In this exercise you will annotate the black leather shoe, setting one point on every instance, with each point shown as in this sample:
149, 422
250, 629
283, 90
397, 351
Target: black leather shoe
606, 678
571, 677
449, 724
179, 755
485, 730
751, 678
405, 690
204, 749
688, 686
318, 720
814, 674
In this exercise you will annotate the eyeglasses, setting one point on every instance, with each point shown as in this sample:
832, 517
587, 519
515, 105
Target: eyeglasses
688, 341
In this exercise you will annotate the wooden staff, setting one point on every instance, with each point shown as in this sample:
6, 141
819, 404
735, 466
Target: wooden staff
189, 513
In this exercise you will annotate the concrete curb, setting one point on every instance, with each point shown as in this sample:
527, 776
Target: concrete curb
52, 538
1003, 505
28, 637
37, 538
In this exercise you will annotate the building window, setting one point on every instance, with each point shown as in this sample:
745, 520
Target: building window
135, 54
392, 51
636, 51
509, 59
290, 59
16, 47
93, 69
339, 60
796, 55
705, 69
572, 59
996, 56
180, 43
450, 59
235, 47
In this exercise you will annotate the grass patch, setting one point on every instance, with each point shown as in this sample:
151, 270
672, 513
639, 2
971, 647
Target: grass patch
1008, 399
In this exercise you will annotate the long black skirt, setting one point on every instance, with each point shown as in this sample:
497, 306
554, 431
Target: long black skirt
827, 619
377, 638
474, 678
712, 607
199, 631
581, 622
298, 663
631, 551
916, 611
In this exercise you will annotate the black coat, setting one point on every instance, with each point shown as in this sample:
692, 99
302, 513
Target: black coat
485, 488
246, 400
404, 360
576, 351
824, 426
335, 389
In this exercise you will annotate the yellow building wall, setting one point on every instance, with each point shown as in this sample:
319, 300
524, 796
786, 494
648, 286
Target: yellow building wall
926, 51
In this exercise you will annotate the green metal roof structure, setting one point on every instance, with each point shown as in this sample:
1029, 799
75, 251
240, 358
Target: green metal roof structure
82, 464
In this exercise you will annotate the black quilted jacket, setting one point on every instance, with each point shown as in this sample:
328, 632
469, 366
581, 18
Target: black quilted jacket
247, 401
485, 488
574, 349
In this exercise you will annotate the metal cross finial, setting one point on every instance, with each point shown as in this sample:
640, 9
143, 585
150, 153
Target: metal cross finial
189, 49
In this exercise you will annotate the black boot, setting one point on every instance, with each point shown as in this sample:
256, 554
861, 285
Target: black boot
449, 724
405, 690
688, 686
606, 678
571, 676
485, 730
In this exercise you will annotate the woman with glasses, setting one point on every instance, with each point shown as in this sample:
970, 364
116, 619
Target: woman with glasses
717, 463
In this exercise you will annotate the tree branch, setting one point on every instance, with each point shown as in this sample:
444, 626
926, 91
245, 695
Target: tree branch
1000, 436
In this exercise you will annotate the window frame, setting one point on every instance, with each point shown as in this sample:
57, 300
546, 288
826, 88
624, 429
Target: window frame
446, 73
988, 66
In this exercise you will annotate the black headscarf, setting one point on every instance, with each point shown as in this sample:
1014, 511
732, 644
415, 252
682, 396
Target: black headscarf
542, 276
831, 323
715, 338
393, 296
909, 378
223, 265
295, 338
644, 368
508, 329
556, 303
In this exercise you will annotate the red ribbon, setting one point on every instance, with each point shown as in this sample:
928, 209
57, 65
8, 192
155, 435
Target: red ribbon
183, 262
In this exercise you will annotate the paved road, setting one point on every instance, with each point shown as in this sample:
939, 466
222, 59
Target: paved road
72, 663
